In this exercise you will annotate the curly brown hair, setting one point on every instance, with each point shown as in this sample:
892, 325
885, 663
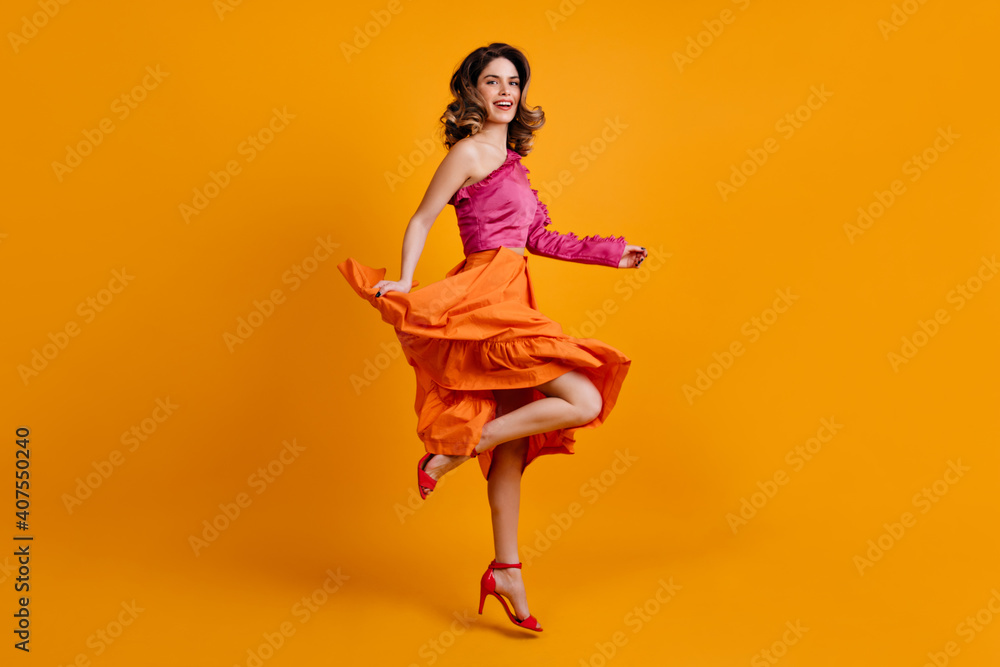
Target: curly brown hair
467, 113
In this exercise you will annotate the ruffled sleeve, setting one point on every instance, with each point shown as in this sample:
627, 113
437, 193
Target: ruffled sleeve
606, 251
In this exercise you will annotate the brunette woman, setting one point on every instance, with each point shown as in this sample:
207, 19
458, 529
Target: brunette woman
496, 379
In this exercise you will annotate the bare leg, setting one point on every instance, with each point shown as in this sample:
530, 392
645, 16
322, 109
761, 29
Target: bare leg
571, 400
504, 492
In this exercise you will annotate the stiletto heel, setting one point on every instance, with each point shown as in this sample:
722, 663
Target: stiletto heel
423, 479
488, 586
482, 597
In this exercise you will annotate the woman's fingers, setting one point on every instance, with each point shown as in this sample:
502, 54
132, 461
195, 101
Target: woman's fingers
640, 255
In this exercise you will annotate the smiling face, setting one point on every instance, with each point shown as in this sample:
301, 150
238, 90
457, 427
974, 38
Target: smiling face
500, 86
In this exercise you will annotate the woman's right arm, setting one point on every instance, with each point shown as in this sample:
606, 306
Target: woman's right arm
455, 169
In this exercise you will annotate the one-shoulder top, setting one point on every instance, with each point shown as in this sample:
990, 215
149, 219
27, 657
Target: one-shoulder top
503, 210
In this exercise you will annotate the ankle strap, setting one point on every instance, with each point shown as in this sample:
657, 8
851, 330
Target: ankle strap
502, 566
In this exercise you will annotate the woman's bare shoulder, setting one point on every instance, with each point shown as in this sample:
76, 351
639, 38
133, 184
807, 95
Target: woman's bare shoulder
467, 150
478, 159
463, 157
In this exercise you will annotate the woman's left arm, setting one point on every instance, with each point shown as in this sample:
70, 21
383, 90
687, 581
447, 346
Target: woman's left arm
607, 251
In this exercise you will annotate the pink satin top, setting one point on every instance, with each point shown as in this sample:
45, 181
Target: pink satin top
503, 210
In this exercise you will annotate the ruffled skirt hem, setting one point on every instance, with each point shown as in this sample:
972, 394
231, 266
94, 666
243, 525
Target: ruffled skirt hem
479, 330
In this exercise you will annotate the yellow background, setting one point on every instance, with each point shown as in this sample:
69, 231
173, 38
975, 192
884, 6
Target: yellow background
342, 503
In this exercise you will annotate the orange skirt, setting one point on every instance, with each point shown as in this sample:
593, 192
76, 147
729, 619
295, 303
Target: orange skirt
478, 330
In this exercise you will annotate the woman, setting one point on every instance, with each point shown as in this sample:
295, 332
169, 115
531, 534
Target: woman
496, 379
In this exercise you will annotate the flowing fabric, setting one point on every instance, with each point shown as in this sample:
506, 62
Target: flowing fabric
478, 330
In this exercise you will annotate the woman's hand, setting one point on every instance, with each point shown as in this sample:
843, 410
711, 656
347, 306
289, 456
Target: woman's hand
632, 256
392, 286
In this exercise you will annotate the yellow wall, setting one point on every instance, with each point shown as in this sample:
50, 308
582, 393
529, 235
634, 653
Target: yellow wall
844, 368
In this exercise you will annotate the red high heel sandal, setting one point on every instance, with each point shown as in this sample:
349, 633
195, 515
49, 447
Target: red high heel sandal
423, 479
488, 586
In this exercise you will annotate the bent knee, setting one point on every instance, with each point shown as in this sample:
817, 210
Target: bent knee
590, 406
